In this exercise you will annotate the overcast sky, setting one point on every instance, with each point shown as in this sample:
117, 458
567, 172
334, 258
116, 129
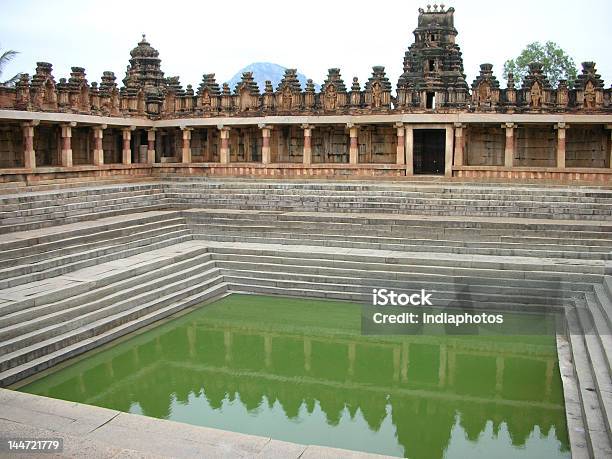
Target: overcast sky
222, 37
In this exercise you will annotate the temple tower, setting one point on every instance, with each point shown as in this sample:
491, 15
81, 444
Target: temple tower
433, 75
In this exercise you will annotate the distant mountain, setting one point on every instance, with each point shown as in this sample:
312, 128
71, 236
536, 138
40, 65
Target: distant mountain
263, 71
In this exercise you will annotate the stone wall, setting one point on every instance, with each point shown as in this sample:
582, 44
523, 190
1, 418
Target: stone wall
205, 145
11, 147
377, 145
485, 146
535, 146
81, 146
112, 146
586, 146
245, 144
47, 145
286, 144
330, 145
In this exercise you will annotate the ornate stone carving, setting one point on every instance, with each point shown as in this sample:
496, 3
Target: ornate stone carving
485, 89
333, 91
536, 88
378, 90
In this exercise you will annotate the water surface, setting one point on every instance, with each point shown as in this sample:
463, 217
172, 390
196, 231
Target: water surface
299, 370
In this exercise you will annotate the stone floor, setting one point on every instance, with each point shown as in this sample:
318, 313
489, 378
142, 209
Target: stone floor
93, 432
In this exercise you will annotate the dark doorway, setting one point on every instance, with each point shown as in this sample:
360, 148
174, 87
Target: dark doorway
429, 146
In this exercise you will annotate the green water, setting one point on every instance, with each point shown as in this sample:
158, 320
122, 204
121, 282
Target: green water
300, 371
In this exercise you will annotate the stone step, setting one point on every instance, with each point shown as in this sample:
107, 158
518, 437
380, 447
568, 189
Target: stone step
255, 235
33, 207
500, 199
95, 334
75, 209
56, 236
19, 336
83, 260
91, 283
442, 294
456, 237
46, 341
592, 410
526, 265
387, 274
407, 221
99, 241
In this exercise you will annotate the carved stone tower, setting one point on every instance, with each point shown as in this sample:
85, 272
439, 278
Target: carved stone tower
433, 67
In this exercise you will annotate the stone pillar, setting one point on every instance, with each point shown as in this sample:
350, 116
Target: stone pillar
401, 147
224, 153
409, 150
66, 153
509, 149
127, 148
448, 152
29, 154
561, 127
609, 127
265, 144
98, 151
354, 143
151, 146
307, 154
459, 144
186, 151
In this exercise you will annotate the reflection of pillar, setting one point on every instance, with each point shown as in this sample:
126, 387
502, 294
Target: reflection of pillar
448, 152
151, 146
397, 351
409, 150
136, 356
81, 383
29, 155
405, 361
227, 342
110, 371
307, 155
158, 346
401, 147
499, 375
509, 148
351, 358
458, 159
191, 339
442, 367
354, 145
98, 152
186, 151
550, 365
265, 144
561, 127
224, 153
268, 350
307, 354
452, 364
127, 149
66, 156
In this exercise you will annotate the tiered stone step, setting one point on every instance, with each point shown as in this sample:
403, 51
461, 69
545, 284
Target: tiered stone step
26, 211
54, 253
411, 198
481, 236
111, 299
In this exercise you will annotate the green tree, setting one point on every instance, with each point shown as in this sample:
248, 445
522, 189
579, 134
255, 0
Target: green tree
556, 64
5, 58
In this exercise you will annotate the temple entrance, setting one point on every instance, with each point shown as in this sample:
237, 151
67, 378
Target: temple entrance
429, 146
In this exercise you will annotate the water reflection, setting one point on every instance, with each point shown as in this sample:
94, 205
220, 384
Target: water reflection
298, 370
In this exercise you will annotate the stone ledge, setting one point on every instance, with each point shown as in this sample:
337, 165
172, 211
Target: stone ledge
100, 432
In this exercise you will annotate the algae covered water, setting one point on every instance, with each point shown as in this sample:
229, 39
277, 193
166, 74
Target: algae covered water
299, 370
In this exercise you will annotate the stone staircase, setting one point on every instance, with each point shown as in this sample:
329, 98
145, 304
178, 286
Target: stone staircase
80, 267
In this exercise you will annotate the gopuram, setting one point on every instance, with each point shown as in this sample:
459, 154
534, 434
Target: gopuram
433, 123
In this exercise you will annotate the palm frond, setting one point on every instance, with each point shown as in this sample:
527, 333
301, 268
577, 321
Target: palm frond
7, 56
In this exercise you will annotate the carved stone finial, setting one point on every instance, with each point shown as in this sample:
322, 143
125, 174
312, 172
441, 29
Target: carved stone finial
428, 8
435, 7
